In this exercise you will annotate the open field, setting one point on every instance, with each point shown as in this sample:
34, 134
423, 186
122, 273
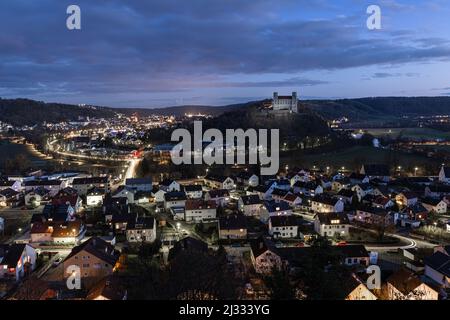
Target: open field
412, 133
352, 158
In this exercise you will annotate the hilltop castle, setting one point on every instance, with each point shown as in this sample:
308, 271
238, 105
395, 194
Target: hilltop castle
285, 103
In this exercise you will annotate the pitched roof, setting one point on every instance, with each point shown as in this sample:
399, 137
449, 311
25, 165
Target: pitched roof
10, 254
200, 204
174, 196
138, 181
283, 221
261, 245
111, 287
233, 222
439, 262
91, 180
333, 218
218, 193
250, 199
141, 223
99, 248
404, 281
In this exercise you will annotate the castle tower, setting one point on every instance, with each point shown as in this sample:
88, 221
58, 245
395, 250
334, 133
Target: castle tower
294, 106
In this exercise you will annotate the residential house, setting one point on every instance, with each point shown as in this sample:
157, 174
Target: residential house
142, 229
250, 205
437, 267
437, 191
264, 256
325, 204
285, 226
158, 195
233, 227
220, 196
405, 285
310, 188
193, 191
95, 259
9, 198
279, 194
169, 185
374, 216
53, 186
200, 210
331, 224
406, 199
83, 185
187, 245
435, 205
219, 182
416, 212
37, 197
109, 288
16, 261
293, 200
247, 179
272, 208
444, 175
16, 185
362, 189
174, 199
376, 171
264, 192
94, 197
139, 184
124, 192
355, 289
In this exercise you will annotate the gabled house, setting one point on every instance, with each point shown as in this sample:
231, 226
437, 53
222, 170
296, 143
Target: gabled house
174, 199
193, 191
16, 261
264, 192
158, 195
220, 196
279, 194
53, 186
416, 212
83, 185
247, 179
405, 285
187, 245
219, 182
444, 175
285, 226
233, 227
169, 185
331, 224
142, 229
139, 184
310, 188
293, 200
437, 191
376, 171
264, 256
37, 197
9, 198
374, 216
339, 184
346, 195
272, 208
435, 205
108, 288
16, 185
437, 267
382, 202
250, 205
325, 204
362, 189
95, 259
124, 192
200, 210
94, 197
406, 199
74, 201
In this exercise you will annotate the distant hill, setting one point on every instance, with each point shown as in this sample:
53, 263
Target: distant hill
366, 109
30, 112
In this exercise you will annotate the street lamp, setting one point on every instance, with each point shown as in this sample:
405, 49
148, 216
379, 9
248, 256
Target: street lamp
415, 171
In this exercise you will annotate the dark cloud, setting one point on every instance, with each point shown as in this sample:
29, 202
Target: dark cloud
128, 47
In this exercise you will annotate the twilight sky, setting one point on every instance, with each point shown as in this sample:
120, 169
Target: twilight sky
169, 52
